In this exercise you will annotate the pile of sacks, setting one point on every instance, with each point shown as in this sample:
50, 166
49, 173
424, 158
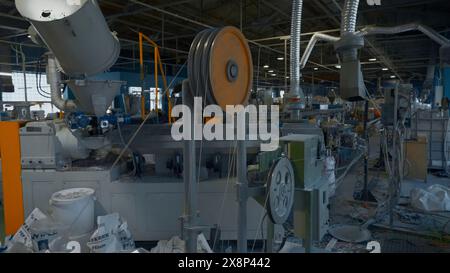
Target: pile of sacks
42, 234
177, 245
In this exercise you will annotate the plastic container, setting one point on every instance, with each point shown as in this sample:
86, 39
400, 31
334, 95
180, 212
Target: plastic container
74, 208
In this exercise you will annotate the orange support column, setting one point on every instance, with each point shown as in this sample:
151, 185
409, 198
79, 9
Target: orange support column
12, 173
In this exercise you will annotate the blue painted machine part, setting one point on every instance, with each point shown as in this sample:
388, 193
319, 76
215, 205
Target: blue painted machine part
79, 120
446, 81
114, 119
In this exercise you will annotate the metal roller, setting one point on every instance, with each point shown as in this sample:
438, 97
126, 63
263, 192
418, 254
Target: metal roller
220, 67
281, 188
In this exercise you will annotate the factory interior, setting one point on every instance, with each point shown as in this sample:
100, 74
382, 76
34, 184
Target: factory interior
312, 126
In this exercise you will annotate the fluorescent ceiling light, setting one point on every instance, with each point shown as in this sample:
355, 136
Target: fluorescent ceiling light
266, 66
316, 68
385, 69
338, 66
280, 59
393, 77
373, 59
270, 71
6, 74
274, 75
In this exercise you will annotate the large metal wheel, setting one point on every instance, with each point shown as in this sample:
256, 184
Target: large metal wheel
220, 67
281, 188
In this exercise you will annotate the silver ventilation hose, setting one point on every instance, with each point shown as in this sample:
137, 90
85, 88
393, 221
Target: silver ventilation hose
297, 7
348, 27
349, 16
54, 79
351, 78
314, 39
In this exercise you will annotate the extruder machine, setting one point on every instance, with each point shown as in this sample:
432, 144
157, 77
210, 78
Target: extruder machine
162, 187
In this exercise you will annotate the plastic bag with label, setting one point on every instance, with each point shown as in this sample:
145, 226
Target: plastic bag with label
112, 235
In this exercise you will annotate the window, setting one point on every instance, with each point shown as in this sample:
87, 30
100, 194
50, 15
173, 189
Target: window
136, 91
40, 97
153, 98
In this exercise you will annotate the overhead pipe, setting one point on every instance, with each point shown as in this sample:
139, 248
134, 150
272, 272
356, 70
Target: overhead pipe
348, 25
54, 79
351, 78
431, 33
296, 25
312, 43
295, 98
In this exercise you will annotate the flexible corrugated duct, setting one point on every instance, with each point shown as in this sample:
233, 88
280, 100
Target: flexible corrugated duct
314, 39
349, 16
53, 79
296, 27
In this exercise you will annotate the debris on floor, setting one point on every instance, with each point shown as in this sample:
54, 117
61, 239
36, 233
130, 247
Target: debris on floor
41, 233
23, 235
112, 235
177, 245
434, 198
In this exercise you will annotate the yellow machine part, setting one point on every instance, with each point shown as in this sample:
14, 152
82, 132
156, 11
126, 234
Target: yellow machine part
230, 45
11, 176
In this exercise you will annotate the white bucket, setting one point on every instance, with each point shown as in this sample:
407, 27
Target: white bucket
75, 209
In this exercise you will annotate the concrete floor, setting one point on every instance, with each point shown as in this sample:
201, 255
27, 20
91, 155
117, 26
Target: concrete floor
432, 238
345, 210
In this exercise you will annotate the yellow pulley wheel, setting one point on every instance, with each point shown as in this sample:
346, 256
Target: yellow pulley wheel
220, 67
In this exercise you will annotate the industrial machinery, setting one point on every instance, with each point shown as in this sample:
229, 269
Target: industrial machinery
87, 148
164, 187
311, 212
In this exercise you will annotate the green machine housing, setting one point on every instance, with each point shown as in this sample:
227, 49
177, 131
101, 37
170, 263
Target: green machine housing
304, 152
311, 204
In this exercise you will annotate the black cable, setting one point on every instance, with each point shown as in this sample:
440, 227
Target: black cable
37, 83
40, 77
262, 232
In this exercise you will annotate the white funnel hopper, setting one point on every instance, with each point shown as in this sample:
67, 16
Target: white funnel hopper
94, 97
75, 31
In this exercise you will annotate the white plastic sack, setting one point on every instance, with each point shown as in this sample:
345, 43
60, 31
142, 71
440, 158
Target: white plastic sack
23, 235
140, 250
47, 235
112, 235
176, 245
434, 198
202, 244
